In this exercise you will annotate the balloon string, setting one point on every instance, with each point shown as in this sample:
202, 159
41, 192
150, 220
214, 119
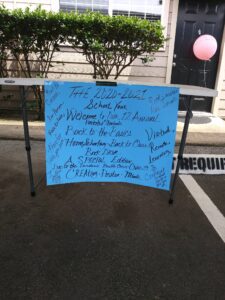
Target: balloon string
204, 73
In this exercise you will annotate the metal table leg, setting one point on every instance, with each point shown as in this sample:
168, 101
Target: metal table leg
27, 138
181, 148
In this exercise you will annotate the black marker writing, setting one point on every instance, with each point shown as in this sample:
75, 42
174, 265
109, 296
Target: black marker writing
79, 91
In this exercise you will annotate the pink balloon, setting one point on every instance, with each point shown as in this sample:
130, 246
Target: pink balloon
205, 47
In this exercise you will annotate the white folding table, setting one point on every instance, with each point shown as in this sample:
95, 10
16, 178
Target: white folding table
187, 90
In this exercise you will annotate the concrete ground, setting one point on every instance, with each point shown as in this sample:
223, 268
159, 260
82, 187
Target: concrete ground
105, 241
108, 241
204, 129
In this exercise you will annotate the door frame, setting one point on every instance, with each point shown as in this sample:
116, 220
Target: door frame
220, 71
220, 77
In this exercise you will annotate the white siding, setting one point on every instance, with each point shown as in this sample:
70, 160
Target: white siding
13, 4
221, 110
154, 72
219, 103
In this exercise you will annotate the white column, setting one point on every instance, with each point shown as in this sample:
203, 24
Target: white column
110, 7
55, 5
220, 77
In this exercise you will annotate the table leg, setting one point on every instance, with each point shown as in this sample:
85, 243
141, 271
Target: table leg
27, 138
181, 148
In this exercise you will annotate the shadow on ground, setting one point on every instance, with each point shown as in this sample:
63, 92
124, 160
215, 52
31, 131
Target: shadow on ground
197, 120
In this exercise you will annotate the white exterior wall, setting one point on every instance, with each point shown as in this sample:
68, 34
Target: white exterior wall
219, 102
156, 71
221, 109
46, 4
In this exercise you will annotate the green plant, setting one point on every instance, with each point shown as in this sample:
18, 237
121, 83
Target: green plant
4, 53
111, 44
32, 37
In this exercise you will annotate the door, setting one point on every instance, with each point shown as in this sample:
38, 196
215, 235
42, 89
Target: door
194, 19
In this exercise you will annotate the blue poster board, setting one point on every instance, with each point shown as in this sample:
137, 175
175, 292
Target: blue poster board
123, 133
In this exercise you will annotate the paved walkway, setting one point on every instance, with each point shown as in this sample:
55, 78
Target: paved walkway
204, 129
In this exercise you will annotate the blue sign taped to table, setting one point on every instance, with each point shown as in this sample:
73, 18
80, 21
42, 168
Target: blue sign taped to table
123, 133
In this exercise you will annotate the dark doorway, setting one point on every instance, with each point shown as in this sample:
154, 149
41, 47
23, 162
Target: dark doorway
194, 19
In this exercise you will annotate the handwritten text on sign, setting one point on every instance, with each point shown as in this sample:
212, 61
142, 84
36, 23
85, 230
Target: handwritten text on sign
122, 133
